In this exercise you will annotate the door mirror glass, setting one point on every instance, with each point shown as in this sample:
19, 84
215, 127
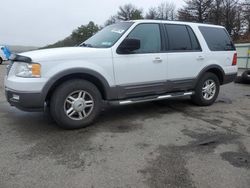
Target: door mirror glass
129, 45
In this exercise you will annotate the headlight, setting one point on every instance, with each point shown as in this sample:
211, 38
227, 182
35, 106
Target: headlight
28, 70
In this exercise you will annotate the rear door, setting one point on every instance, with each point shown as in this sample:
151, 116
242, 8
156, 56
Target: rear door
185, 57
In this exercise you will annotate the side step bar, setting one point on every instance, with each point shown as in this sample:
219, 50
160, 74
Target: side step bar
151, 98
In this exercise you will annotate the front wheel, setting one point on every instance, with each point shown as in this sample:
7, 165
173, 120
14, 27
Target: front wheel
1, 61
207, 90
75, 104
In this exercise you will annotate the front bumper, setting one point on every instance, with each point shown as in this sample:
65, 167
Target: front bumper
25, 101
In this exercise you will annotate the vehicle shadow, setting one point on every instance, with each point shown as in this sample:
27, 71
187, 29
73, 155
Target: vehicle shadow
111, 119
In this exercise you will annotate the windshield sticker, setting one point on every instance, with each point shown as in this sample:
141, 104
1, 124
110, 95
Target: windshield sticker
106, 43
120, 31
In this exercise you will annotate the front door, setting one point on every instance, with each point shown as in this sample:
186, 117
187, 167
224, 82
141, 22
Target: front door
142, 72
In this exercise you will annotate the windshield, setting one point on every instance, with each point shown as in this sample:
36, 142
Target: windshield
108, 36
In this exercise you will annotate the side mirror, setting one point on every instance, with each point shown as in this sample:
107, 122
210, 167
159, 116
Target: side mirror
128, 46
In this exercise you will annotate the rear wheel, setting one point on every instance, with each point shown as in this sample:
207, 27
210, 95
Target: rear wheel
1, 61
75, 104
207, 90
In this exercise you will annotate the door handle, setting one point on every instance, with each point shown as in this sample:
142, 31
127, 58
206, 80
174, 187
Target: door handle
200, 58
157, 60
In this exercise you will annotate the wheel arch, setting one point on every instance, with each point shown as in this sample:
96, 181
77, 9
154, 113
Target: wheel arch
216, 69
92, 76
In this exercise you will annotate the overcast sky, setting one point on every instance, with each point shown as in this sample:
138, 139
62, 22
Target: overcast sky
42, 22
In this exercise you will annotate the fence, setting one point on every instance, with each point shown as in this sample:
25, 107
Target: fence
243, 51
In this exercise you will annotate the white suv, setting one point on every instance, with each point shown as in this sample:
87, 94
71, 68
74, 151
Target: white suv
125, 63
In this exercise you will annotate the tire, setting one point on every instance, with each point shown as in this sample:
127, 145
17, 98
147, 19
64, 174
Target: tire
246, 77
1, 61
207, 97
75, 104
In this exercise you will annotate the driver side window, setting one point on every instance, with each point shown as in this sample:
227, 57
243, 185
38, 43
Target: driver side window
149, 36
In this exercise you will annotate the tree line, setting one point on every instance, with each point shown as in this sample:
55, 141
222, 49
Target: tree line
234, 15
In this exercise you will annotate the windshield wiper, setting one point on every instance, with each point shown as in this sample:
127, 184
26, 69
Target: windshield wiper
86, 45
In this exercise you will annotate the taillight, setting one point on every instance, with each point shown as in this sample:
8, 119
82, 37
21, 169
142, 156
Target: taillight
234, 60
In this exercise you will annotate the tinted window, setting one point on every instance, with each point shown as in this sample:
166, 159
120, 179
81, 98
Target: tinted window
149, 36
178, 37
194, 41
217, 39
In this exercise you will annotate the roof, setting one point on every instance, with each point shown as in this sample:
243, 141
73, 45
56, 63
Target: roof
175, 22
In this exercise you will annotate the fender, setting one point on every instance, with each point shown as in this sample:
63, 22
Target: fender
109, 91
213, 67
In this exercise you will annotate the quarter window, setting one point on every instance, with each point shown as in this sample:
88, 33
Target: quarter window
217, 38
149, 36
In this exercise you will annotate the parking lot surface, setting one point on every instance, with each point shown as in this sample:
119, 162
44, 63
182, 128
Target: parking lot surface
164, 144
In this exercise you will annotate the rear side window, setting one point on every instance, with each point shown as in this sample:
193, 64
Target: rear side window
217, 39
181, 38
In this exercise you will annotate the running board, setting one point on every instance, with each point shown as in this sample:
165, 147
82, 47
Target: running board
151, 98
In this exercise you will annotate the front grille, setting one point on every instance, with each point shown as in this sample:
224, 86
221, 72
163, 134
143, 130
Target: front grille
9, 67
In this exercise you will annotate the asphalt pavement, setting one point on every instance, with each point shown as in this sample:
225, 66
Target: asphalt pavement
157, 144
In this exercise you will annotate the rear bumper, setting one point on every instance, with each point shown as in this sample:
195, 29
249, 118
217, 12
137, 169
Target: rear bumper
228, 78
31, 102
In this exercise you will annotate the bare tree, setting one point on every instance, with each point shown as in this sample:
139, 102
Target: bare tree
230, 8
166, 11
185, 15
129, 12
238, 23
111, 20
215, 15
152, 14
246, 14
195, 10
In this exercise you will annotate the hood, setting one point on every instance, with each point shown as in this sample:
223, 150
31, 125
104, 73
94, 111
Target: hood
67, 53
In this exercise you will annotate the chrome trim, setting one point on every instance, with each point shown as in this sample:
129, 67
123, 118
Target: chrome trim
139, 100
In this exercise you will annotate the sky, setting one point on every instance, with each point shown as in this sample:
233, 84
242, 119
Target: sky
42, 22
